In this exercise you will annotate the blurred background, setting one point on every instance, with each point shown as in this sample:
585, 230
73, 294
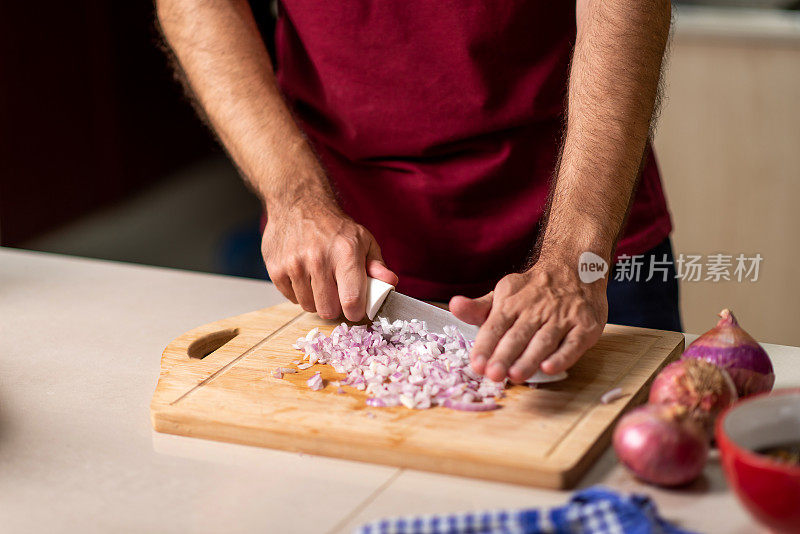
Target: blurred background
102, 155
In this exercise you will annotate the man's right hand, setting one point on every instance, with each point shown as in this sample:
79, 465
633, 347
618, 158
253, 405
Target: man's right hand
315, 254
319, 257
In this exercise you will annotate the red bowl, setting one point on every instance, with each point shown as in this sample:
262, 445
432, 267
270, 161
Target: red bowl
768, 488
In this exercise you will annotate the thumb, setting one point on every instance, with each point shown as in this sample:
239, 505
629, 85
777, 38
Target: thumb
376, 268
472, 311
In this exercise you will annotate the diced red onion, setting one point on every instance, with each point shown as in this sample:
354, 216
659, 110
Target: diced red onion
401, 363
612, 395
470, 406
315, 382
277, 373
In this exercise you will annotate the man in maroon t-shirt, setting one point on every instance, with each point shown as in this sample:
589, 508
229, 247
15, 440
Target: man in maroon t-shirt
485, 145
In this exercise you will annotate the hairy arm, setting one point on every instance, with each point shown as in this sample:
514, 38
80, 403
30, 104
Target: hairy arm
228, 70
314, 253
612, 96
546, 317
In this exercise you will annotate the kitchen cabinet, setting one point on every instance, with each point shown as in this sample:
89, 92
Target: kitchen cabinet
728, 143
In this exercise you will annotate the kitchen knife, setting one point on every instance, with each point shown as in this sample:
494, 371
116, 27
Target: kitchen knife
384, 301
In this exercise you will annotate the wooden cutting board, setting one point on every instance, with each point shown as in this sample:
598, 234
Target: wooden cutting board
216, 383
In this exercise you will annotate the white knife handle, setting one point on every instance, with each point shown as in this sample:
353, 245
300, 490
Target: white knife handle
377, 290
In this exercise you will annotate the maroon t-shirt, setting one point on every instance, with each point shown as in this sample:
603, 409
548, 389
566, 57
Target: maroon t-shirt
439, 126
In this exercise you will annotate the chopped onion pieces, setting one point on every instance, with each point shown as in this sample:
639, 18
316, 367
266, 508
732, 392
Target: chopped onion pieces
402, 363
315, 382
612, 395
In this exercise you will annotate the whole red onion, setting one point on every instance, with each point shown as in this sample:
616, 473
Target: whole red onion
701, 387
728, 346
661, 444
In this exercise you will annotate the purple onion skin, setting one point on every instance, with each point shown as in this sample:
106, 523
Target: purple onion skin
730, 347
702, 388
660, 445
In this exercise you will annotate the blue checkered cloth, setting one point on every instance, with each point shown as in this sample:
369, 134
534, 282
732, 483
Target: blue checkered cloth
596, 510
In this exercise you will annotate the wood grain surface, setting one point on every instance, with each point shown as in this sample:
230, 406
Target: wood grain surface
546, 436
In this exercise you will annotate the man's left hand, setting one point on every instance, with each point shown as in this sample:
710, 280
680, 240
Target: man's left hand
544, 317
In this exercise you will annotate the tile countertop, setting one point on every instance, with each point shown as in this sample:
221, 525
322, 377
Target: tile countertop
80, 344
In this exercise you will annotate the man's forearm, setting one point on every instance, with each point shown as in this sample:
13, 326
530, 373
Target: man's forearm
315, 254
219, 48
612, 93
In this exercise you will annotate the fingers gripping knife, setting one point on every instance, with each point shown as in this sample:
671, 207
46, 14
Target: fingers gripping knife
384, 301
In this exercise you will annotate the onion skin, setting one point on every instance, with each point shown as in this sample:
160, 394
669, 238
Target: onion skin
704, 389
661, 445
729, 347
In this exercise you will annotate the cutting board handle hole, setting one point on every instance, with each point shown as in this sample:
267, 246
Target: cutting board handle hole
202, 347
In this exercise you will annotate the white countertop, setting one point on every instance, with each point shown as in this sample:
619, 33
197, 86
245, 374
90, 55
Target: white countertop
80, 344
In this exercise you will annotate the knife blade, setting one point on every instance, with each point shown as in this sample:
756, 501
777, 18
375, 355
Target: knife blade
384, 301
398, 306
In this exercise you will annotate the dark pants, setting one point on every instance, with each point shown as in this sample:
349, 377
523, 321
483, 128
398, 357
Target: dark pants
651, 304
